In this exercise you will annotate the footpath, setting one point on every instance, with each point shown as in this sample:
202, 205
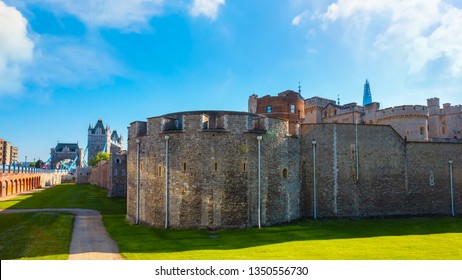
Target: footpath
90, 240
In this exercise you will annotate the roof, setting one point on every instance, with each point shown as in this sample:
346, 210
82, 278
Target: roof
114, 135
99, 124
73, 147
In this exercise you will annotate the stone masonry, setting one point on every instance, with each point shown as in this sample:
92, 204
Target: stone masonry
211, 179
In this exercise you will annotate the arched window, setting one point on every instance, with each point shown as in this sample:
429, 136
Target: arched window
284, 173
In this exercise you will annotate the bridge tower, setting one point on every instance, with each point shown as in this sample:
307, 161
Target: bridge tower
100, 139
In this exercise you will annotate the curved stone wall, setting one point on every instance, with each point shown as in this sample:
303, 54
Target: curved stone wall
212, 171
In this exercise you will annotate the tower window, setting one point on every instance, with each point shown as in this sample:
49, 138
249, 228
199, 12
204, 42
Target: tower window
284, 173
269, 109
159, 171
215, 166
244, 167
184, 166
292, 108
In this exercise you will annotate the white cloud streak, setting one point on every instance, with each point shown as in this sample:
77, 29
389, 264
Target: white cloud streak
16, 49
423, 31
127, 15
207, 8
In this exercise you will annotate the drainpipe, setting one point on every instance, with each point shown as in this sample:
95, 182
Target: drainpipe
137, 219
356, 152
452, 191
313, 144
259, 182
166, 180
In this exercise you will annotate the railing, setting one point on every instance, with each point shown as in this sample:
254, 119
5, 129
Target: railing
16, 169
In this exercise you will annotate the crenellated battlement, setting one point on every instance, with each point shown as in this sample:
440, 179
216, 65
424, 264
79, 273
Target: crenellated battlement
448, 109
318, 102
209, 121
404, 110
432, 102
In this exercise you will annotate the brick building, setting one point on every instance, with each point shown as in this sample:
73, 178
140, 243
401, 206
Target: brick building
413, 122
8, 153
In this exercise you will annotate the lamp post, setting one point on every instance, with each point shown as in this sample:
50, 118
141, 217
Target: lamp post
138, 141
452, 191
166, 180
313, 145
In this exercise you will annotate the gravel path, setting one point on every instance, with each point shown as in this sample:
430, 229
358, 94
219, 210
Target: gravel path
90, 240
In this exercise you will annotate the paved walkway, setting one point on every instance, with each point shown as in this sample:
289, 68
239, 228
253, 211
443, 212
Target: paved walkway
90, 240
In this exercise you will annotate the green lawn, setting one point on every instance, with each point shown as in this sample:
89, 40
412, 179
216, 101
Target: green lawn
405, 238
41, 235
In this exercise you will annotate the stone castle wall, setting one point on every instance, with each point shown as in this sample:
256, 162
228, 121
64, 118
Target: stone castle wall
110, 175
395, 177
100, 175
213, 173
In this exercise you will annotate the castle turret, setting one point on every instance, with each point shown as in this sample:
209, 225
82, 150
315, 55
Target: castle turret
434, 124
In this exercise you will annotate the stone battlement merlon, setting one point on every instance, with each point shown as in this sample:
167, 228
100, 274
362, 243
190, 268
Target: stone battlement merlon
137, 128
209, 121
318, 102
403, 110
448, 109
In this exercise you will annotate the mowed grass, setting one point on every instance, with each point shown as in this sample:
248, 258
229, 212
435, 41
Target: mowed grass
44, 235
368, 239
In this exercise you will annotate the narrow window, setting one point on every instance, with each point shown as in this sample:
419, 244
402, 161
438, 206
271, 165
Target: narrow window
184, 166
215, 167
421, 130
159, 171
269, 109
284, 173
292, 108
244, 167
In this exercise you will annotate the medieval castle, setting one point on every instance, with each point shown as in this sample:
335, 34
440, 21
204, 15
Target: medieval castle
291, 158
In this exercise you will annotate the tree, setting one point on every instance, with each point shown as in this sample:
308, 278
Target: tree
38, 164
99, 157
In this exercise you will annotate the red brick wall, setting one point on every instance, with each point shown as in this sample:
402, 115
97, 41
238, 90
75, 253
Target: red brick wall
281, 106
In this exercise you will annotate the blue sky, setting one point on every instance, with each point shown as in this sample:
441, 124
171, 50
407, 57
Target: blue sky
64, 64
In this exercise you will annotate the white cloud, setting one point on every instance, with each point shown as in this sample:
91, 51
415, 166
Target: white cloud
208, 8
298, 19
128, 15
16, 49
422, 31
